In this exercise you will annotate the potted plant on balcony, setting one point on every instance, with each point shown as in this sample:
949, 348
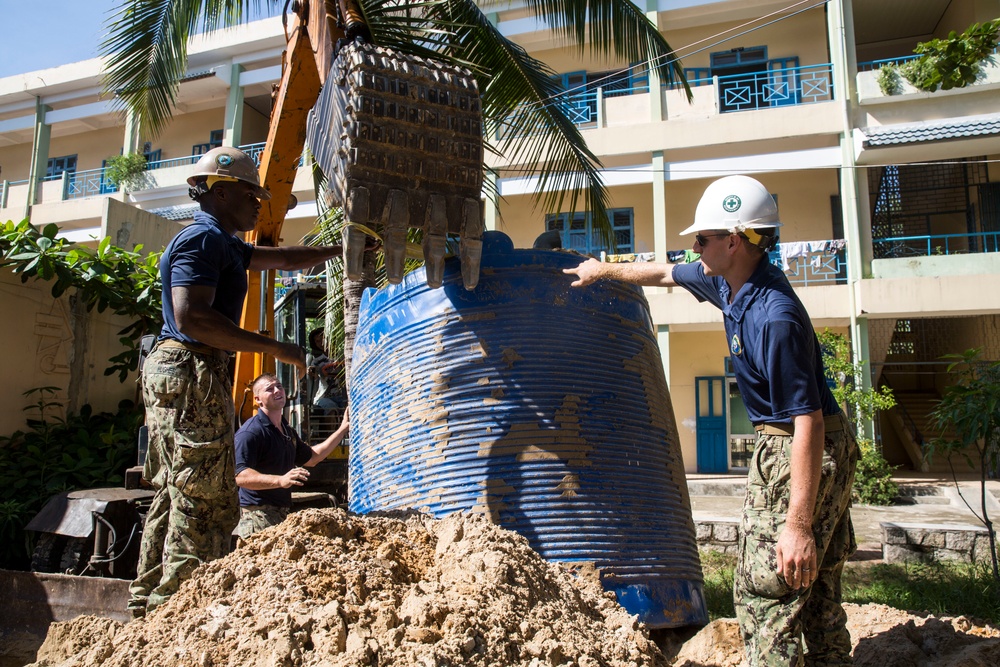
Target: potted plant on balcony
127, 172
952, 62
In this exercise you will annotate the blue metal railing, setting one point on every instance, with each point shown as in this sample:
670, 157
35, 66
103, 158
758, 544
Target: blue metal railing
812, 262
936, 244
808, 84
869, 65
88, 183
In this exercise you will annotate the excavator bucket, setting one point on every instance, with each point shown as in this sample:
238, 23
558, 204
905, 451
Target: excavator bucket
400, 139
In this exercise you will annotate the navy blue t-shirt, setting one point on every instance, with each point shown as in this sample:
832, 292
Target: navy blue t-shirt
203, 253
775, 354
264, 448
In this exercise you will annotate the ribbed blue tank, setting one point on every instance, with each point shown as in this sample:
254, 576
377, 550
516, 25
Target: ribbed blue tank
541, 405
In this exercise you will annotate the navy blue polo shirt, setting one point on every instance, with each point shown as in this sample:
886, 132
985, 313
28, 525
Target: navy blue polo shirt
264, 448
203, 253
773, 347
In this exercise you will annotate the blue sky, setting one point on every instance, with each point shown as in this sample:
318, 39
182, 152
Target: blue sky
36, 35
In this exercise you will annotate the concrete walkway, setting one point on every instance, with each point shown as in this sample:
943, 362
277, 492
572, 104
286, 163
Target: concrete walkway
929, 499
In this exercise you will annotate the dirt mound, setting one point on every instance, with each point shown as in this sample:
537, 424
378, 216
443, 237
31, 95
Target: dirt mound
881, 636
327, 588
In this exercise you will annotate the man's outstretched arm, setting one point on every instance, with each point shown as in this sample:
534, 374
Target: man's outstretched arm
649, 274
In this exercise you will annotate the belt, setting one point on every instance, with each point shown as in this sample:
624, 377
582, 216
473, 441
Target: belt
831, 424
197, 348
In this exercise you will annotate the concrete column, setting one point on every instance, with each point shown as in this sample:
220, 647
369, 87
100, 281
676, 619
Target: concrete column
39, 155
4, 191
853, 185
663, 341
130, 140
490, 207
656, 106
658, 167
233, 132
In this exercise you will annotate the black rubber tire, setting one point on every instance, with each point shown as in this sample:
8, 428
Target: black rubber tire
75, 555
48, 553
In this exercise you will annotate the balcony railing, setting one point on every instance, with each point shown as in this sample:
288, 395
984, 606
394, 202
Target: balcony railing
936, 244
812, 262
870, 65
94, 182
774, 88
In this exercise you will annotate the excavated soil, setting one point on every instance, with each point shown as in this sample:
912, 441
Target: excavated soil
330, 589
327, 588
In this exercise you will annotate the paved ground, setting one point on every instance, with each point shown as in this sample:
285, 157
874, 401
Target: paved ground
933, 499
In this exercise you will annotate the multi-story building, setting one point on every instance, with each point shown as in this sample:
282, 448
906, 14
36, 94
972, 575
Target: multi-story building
891, 202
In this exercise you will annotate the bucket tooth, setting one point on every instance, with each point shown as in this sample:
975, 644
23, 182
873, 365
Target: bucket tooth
470, 249
353, 238
395, 222
435, 239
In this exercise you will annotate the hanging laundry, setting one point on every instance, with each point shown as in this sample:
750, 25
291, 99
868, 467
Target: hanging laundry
790, 251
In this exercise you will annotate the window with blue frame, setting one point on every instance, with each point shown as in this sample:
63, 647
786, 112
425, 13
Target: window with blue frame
577, 233
57, 165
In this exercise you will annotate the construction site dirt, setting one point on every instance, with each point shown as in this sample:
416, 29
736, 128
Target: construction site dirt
328, 588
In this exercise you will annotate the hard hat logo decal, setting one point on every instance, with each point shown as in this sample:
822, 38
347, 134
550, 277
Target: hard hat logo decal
732, 203
224, 160
735, 346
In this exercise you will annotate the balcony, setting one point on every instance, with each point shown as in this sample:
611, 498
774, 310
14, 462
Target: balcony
869, 92
94, 182
779, 87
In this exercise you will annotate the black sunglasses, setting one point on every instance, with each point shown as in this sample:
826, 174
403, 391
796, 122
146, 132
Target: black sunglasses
702, 239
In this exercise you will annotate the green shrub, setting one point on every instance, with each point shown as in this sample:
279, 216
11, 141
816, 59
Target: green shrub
873, 483
126, 171
952, 62
53, 455
888, 79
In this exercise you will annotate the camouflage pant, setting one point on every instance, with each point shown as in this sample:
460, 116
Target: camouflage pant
189, 411
257, 518
808, 626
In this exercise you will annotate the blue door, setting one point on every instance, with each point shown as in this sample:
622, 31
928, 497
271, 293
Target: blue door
710, 405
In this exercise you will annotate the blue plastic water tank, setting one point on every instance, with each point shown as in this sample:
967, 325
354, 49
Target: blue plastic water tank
541, 405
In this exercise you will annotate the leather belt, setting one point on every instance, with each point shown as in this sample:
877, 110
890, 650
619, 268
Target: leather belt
197, 348
831, 424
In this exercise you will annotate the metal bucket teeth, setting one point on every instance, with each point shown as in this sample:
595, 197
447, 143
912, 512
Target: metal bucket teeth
407, 131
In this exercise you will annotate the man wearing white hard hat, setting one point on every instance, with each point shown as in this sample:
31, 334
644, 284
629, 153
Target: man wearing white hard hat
796, 531
186, 383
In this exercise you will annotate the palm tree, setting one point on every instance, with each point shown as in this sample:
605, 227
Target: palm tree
146, 47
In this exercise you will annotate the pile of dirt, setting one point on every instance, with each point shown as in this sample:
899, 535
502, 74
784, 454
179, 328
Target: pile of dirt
328, 588
881, 637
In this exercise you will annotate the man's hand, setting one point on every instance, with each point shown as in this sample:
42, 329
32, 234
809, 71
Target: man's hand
796, 554
346, 421
586, 273
292, 354
294, 477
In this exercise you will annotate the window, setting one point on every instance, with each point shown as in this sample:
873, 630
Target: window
576, 231
214, 141
57, 165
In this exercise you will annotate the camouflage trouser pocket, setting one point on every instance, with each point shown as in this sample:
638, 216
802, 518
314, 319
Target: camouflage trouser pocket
204, 469
757, 570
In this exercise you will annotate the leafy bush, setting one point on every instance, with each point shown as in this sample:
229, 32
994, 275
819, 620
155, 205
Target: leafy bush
952, 62
873, 483
54, 455
108, 277
888, 79
126, 171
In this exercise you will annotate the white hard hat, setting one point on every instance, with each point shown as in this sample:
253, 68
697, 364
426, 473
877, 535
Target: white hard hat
736, 204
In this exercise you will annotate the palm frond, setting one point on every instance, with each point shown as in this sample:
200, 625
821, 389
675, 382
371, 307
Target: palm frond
613, 27
146, 51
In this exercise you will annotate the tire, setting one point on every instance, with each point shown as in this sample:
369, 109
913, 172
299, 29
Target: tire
48, 553
75, 555
58, 554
